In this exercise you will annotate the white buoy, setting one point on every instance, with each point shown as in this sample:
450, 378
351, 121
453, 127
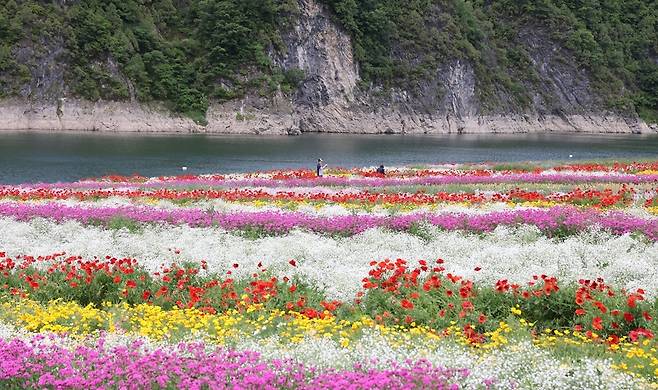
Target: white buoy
184, 168
571, 155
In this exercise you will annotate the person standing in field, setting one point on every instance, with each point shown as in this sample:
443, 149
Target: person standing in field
380, 170
319, 169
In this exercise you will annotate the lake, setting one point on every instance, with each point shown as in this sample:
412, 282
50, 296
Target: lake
57, 156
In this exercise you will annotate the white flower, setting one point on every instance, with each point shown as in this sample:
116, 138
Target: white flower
338, 264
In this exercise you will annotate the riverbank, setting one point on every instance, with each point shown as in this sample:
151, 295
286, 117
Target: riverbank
280, 117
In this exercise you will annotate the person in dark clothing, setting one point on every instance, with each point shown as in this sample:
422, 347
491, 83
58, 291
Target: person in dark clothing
380, 170
319, 169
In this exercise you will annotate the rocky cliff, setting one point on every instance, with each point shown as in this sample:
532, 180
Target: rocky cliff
332, 95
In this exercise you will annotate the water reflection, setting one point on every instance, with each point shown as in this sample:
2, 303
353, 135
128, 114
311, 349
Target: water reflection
39, 156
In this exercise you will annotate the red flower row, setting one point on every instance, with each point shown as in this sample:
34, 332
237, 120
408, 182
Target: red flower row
595, 198
394, 292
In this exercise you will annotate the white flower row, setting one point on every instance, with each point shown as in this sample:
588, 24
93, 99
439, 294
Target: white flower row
517, 365
325, 210
338, 264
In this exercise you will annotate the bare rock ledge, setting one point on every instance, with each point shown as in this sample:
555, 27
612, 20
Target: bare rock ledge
284, 118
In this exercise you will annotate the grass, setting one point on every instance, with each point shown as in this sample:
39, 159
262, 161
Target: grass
120, 222
422, 231
525, 167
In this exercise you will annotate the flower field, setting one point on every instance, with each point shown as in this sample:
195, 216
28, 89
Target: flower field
458, 276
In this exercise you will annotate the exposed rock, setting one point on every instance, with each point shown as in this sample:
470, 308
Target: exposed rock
330, 98
128, 117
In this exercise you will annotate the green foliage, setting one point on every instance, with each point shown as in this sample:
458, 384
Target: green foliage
292, 78
524, 167
118, 223
181, 53
186, 53
255, 232
398, 44
421, 230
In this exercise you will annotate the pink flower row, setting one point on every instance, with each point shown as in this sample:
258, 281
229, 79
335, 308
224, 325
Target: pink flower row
555, 221
39, 364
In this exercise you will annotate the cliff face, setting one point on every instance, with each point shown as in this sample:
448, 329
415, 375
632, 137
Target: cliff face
331, 97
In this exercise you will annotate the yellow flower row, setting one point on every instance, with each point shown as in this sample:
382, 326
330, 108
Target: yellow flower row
635, 358
369, 207
160, 324
176, 324
639, 359
355, 206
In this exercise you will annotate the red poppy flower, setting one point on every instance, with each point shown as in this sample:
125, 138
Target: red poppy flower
631, 302
405, 303
161, 291
601, 307
634, 335
597, 323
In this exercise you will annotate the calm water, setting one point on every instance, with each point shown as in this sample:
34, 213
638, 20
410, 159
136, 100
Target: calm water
50, 157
